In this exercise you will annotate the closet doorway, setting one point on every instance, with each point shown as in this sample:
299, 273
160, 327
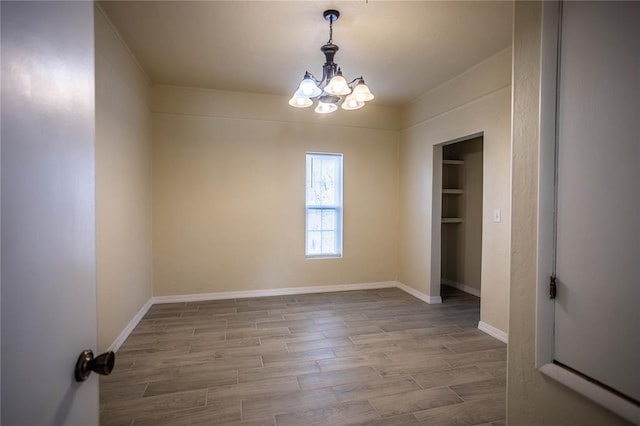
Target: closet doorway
461, 219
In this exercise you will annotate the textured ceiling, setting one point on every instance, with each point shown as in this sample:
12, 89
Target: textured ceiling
403, 49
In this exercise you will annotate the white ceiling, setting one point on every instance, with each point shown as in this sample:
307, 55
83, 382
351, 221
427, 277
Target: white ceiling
402, 48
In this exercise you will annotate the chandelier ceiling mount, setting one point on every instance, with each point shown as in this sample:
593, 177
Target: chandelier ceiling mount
332, 88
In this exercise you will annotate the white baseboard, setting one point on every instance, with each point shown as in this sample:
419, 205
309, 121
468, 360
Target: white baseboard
262, 293
418, 294
493, 332
271, 292
461, 287
129, 328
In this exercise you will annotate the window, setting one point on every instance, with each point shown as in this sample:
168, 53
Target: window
323, 206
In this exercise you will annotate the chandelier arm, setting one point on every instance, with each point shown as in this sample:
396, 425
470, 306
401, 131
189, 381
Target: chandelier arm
318, 82
354, 80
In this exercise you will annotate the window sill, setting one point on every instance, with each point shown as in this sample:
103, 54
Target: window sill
324, 256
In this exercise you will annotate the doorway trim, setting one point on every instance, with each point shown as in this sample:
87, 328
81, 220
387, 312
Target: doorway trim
436, 213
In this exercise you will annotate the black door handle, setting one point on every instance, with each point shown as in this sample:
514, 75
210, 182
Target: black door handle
102, 364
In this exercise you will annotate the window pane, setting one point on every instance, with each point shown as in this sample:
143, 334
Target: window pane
314, 220
328, 220
328, 242
323, 175
314, 242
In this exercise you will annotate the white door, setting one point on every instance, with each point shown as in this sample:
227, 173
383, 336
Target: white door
48, 289
597, 310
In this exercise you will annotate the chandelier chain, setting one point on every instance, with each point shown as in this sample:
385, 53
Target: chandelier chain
330, 30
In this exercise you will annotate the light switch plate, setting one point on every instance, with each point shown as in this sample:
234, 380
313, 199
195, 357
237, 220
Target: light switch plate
496, 216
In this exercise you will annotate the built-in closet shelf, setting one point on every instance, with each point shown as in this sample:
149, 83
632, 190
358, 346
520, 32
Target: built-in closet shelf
451, 220
451, 182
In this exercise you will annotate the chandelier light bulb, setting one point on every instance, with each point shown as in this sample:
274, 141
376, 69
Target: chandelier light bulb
300, 102
324, 108
362, 93
338, 86
308, 88
351, 102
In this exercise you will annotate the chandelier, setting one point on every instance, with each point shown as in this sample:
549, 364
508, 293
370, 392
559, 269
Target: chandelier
332, 88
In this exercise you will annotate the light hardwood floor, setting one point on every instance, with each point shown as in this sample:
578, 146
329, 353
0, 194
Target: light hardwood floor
373, 357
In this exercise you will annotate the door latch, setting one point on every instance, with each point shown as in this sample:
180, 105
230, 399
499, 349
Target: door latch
553, 287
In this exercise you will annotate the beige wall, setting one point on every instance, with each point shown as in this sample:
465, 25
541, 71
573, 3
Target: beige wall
446, 114
532, 399
123, 185
228, 193
253, 106
470, 86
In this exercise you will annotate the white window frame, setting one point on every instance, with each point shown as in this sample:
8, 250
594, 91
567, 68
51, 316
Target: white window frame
337, 208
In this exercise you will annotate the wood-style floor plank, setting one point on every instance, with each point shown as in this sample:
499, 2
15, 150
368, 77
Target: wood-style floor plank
369, 357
